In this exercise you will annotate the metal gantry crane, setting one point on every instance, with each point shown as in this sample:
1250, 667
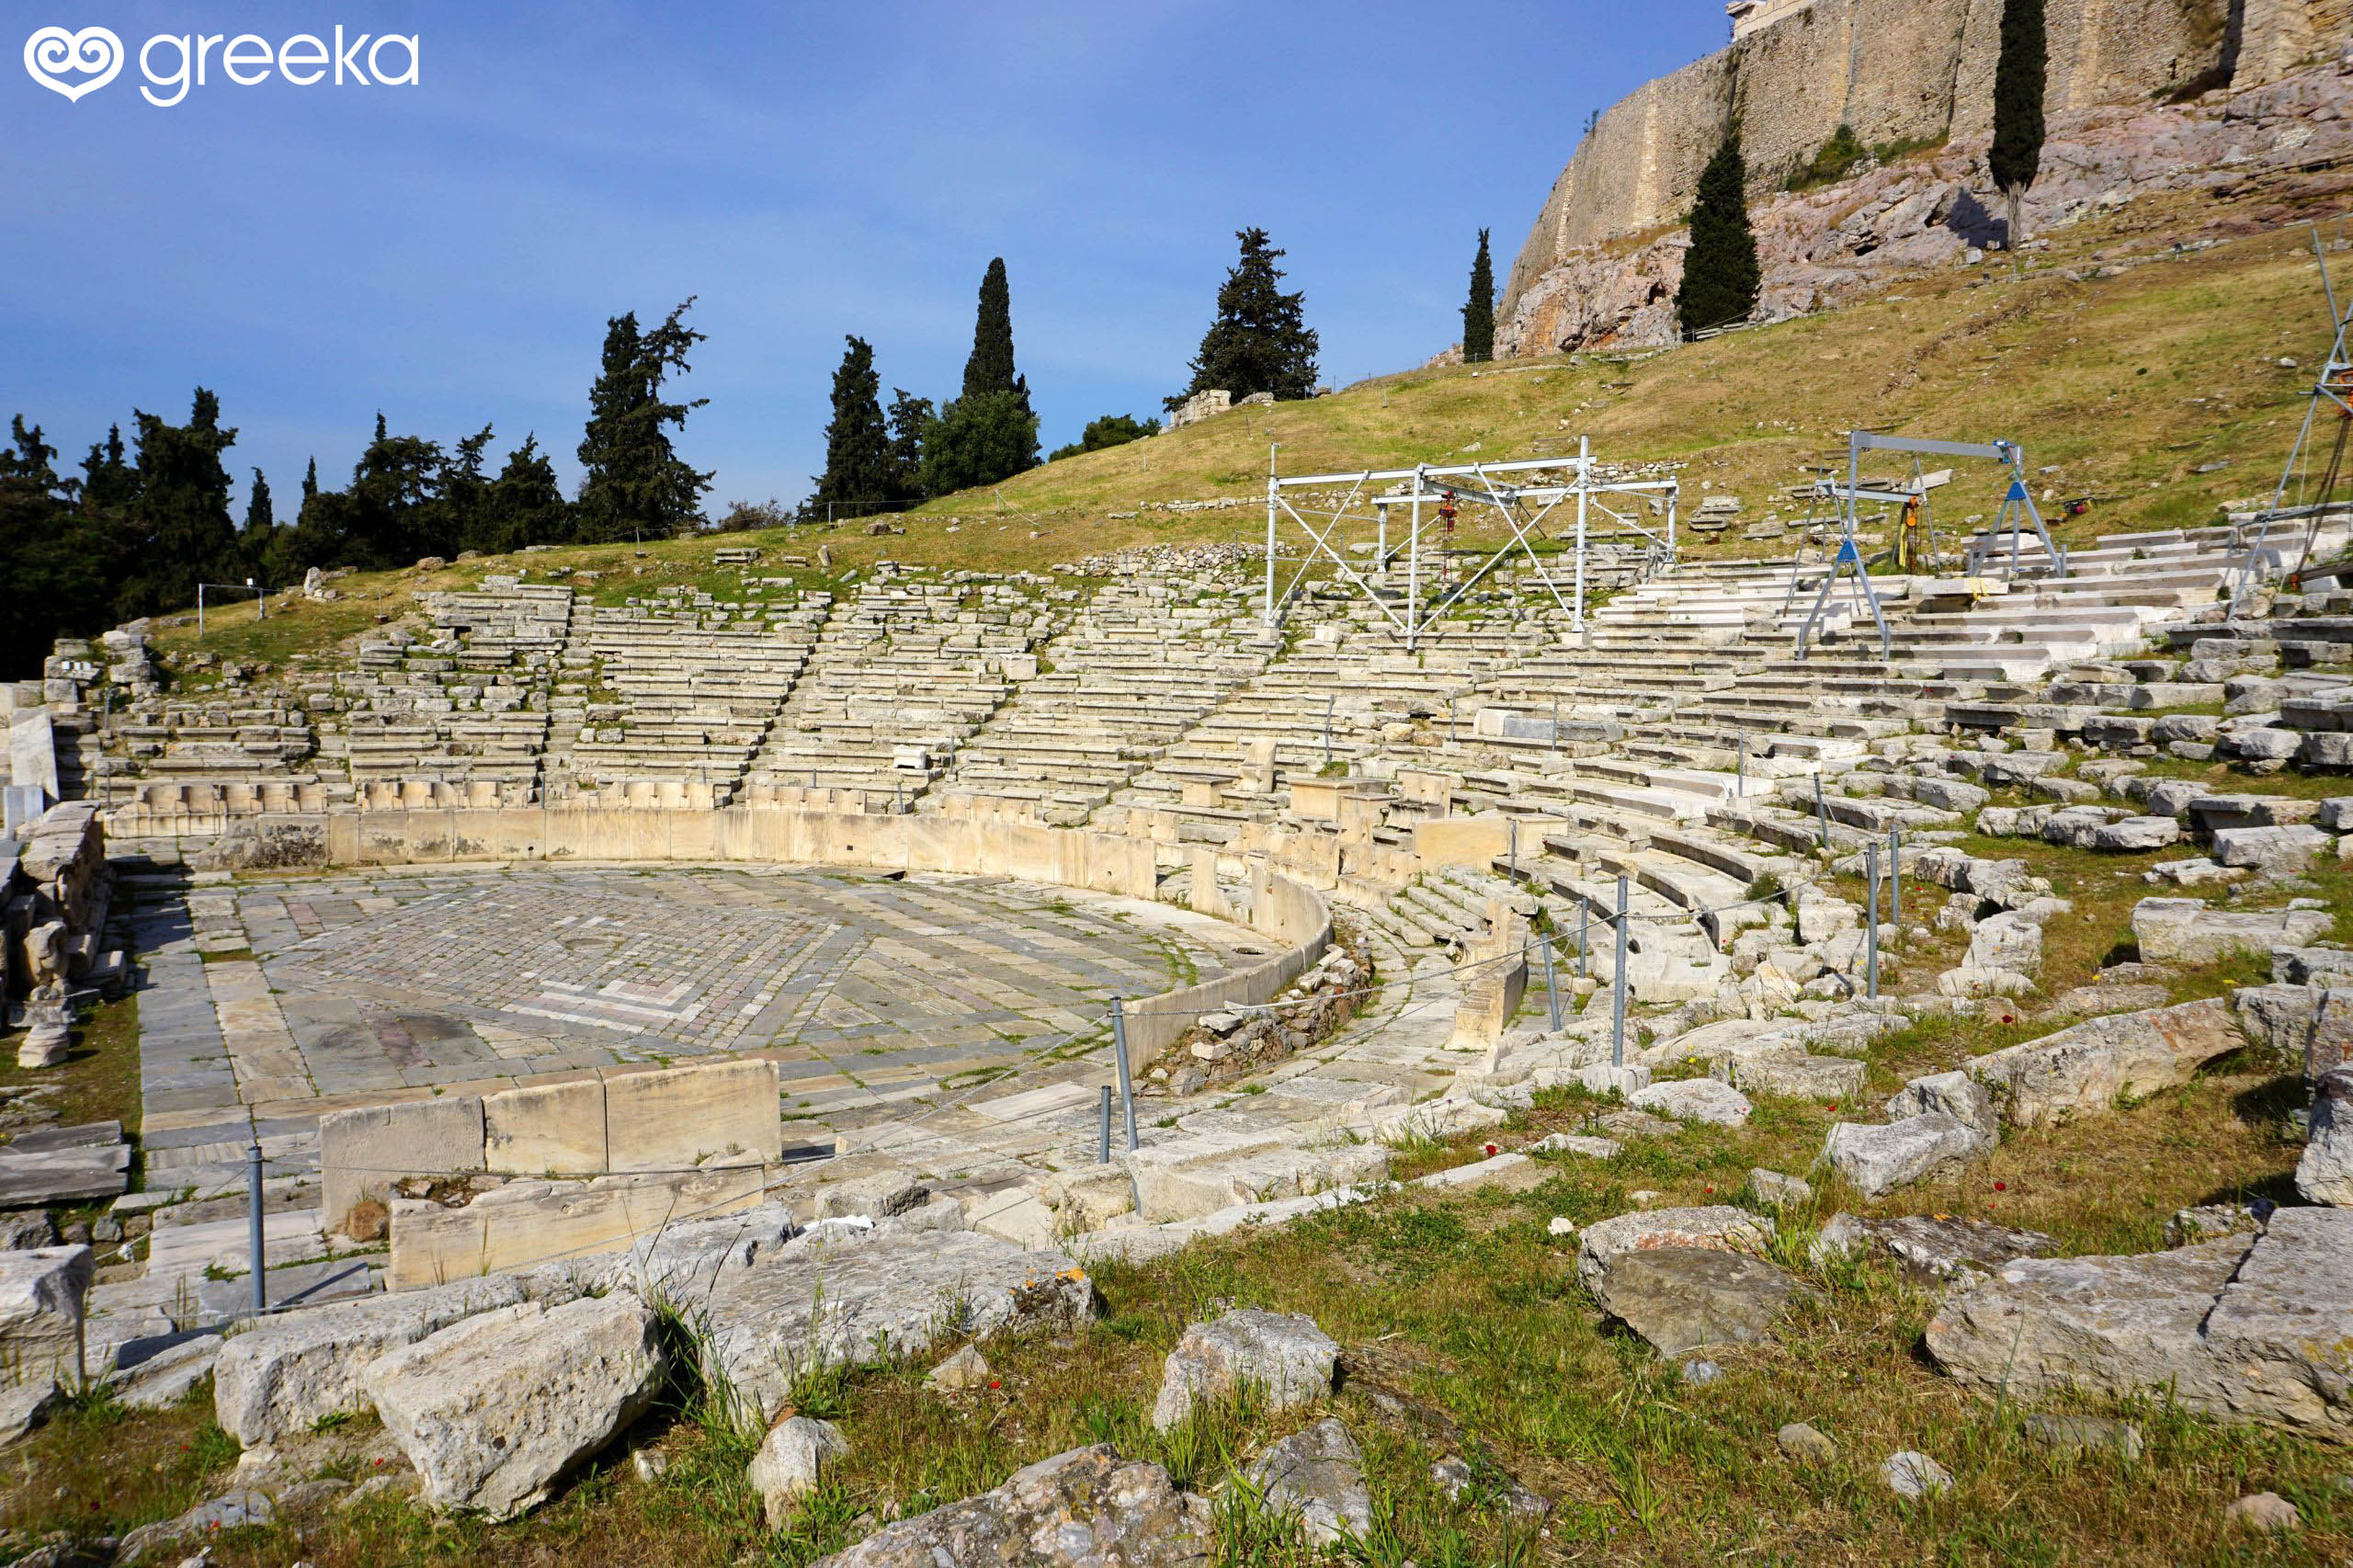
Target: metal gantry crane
2018, 512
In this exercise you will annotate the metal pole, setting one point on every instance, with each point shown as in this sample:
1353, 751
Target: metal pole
1103, 1145
1552, 985
1585, 482
1896, 879
1274, 493
1740, 768
1413, 566
1512, 824
1618, 987
1329, 699
1126, 1086
1871, 939
1583, 910
200, 609
1820, 812
252, 1193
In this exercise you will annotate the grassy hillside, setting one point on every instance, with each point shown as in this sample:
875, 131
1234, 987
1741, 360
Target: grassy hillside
2123, 386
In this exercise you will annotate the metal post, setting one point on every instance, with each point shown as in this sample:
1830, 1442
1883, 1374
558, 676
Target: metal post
1127, 1087
1820, 812
1552, 985
1740, 768
1896, 879
1556, 721
1329, 699
1584, 911
1871, 939
252, 1193
1618, 987
1103, 1145
1274, 493
1512, 824
1584, 483
1413, 566
200, 609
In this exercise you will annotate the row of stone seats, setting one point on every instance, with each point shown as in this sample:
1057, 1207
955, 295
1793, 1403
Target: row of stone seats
1137, 667
694, 685
905, 672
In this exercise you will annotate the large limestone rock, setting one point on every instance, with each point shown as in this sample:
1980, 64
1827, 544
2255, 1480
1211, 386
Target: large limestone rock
2243, 1328
42, 1291
2270, 851
838, 1295
1188, 1178
285, 1374
2009, 941
1088, 1508
494, 1409
1934, 1245
1283, 1356
1878, 1158
1317, 1475
792, 1460
1687, 1299
2311, 1026
2083, 1068
1695, 1100
2184, 930
1720, 1226
2325, 1175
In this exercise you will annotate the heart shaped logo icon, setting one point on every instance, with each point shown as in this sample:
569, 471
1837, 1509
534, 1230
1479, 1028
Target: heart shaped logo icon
92, 50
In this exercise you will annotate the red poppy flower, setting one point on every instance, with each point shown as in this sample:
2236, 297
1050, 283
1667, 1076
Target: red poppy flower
2001, 1187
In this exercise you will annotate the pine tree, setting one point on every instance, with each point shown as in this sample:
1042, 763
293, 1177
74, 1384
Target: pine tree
1479, 314
63, 563
635, 483
182, 511
1721, 276
108, 481
909, 416
978, 440
2016, 156
860, 471
1259, 341
524, 505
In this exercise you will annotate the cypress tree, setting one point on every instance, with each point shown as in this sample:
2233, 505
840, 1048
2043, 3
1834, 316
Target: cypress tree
1479, 314
1721, 276
2016, 156
1259, 341
991, 427
260, 515
310, 485
990, 367
860, 475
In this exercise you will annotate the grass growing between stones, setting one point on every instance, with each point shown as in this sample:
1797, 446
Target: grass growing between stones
99, 1081
1467, 1332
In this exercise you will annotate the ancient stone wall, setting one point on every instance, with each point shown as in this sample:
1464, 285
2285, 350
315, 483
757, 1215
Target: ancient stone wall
1894, 70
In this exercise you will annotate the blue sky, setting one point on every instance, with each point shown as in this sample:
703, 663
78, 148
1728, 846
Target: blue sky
449, 252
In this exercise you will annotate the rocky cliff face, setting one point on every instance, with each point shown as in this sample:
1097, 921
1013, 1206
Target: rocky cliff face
2143, 93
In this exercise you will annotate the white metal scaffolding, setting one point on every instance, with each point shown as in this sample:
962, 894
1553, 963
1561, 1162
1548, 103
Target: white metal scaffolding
1522, 494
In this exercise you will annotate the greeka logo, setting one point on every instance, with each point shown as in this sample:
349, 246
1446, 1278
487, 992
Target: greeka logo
76, 64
